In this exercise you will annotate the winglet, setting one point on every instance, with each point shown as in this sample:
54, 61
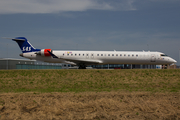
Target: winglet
54, 56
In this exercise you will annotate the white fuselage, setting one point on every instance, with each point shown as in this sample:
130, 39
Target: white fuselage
106, 57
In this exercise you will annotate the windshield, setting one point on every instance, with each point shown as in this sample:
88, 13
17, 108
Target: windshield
163, 55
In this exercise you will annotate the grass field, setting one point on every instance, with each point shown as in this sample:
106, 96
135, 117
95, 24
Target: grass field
89, 94
90, 105
89, 80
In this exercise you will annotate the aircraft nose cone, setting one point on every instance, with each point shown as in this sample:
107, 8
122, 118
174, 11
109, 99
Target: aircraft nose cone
174, 61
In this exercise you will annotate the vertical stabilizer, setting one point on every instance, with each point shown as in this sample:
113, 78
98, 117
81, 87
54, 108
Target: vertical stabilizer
25, 45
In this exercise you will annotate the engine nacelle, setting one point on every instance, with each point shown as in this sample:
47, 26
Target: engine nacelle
44, 52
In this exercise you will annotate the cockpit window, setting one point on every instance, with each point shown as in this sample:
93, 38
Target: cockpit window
163, 55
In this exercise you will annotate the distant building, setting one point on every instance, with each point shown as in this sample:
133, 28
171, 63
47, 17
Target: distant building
11, 63
173, 66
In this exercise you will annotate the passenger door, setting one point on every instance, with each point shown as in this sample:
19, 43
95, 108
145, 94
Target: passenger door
153, 58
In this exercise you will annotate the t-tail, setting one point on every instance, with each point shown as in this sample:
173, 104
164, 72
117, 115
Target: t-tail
25, 45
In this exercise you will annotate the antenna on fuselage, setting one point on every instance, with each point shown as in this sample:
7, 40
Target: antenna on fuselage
148, 47
76, 46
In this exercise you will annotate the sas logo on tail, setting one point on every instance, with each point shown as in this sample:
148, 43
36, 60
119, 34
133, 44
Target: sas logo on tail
26, 49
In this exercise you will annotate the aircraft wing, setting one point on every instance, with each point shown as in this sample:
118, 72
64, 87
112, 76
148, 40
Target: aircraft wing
84, 61
77, 61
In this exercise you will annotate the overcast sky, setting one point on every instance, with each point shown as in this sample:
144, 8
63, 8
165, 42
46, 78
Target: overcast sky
91, 25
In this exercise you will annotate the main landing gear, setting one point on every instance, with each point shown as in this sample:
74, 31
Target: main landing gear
82, 67
164, 66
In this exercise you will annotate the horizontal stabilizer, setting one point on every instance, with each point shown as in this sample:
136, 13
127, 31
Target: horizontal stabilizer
18, 39
15, 39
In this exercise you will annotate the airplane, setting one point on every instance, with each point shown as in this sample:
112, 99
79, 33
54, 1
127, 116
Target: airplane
85, 58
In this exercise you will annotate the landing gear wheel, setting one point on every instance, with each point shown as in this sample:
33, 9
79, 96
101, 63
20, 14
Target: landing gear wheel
166, 66
82, 67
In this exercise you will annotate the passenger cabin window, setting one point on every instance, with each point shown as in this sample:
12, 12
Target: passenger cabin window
97, 54
75, 54
128, 55
83, 54
101, 54
112, 54
124, 54
136, 55
63, 54
71, 54
108, 54
68, 54
120, 54
87, 55
116, 54
79, 54
132, 55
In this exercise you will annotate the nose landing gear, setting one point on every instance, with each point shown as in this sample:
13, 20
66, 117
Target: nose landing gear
164, 66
